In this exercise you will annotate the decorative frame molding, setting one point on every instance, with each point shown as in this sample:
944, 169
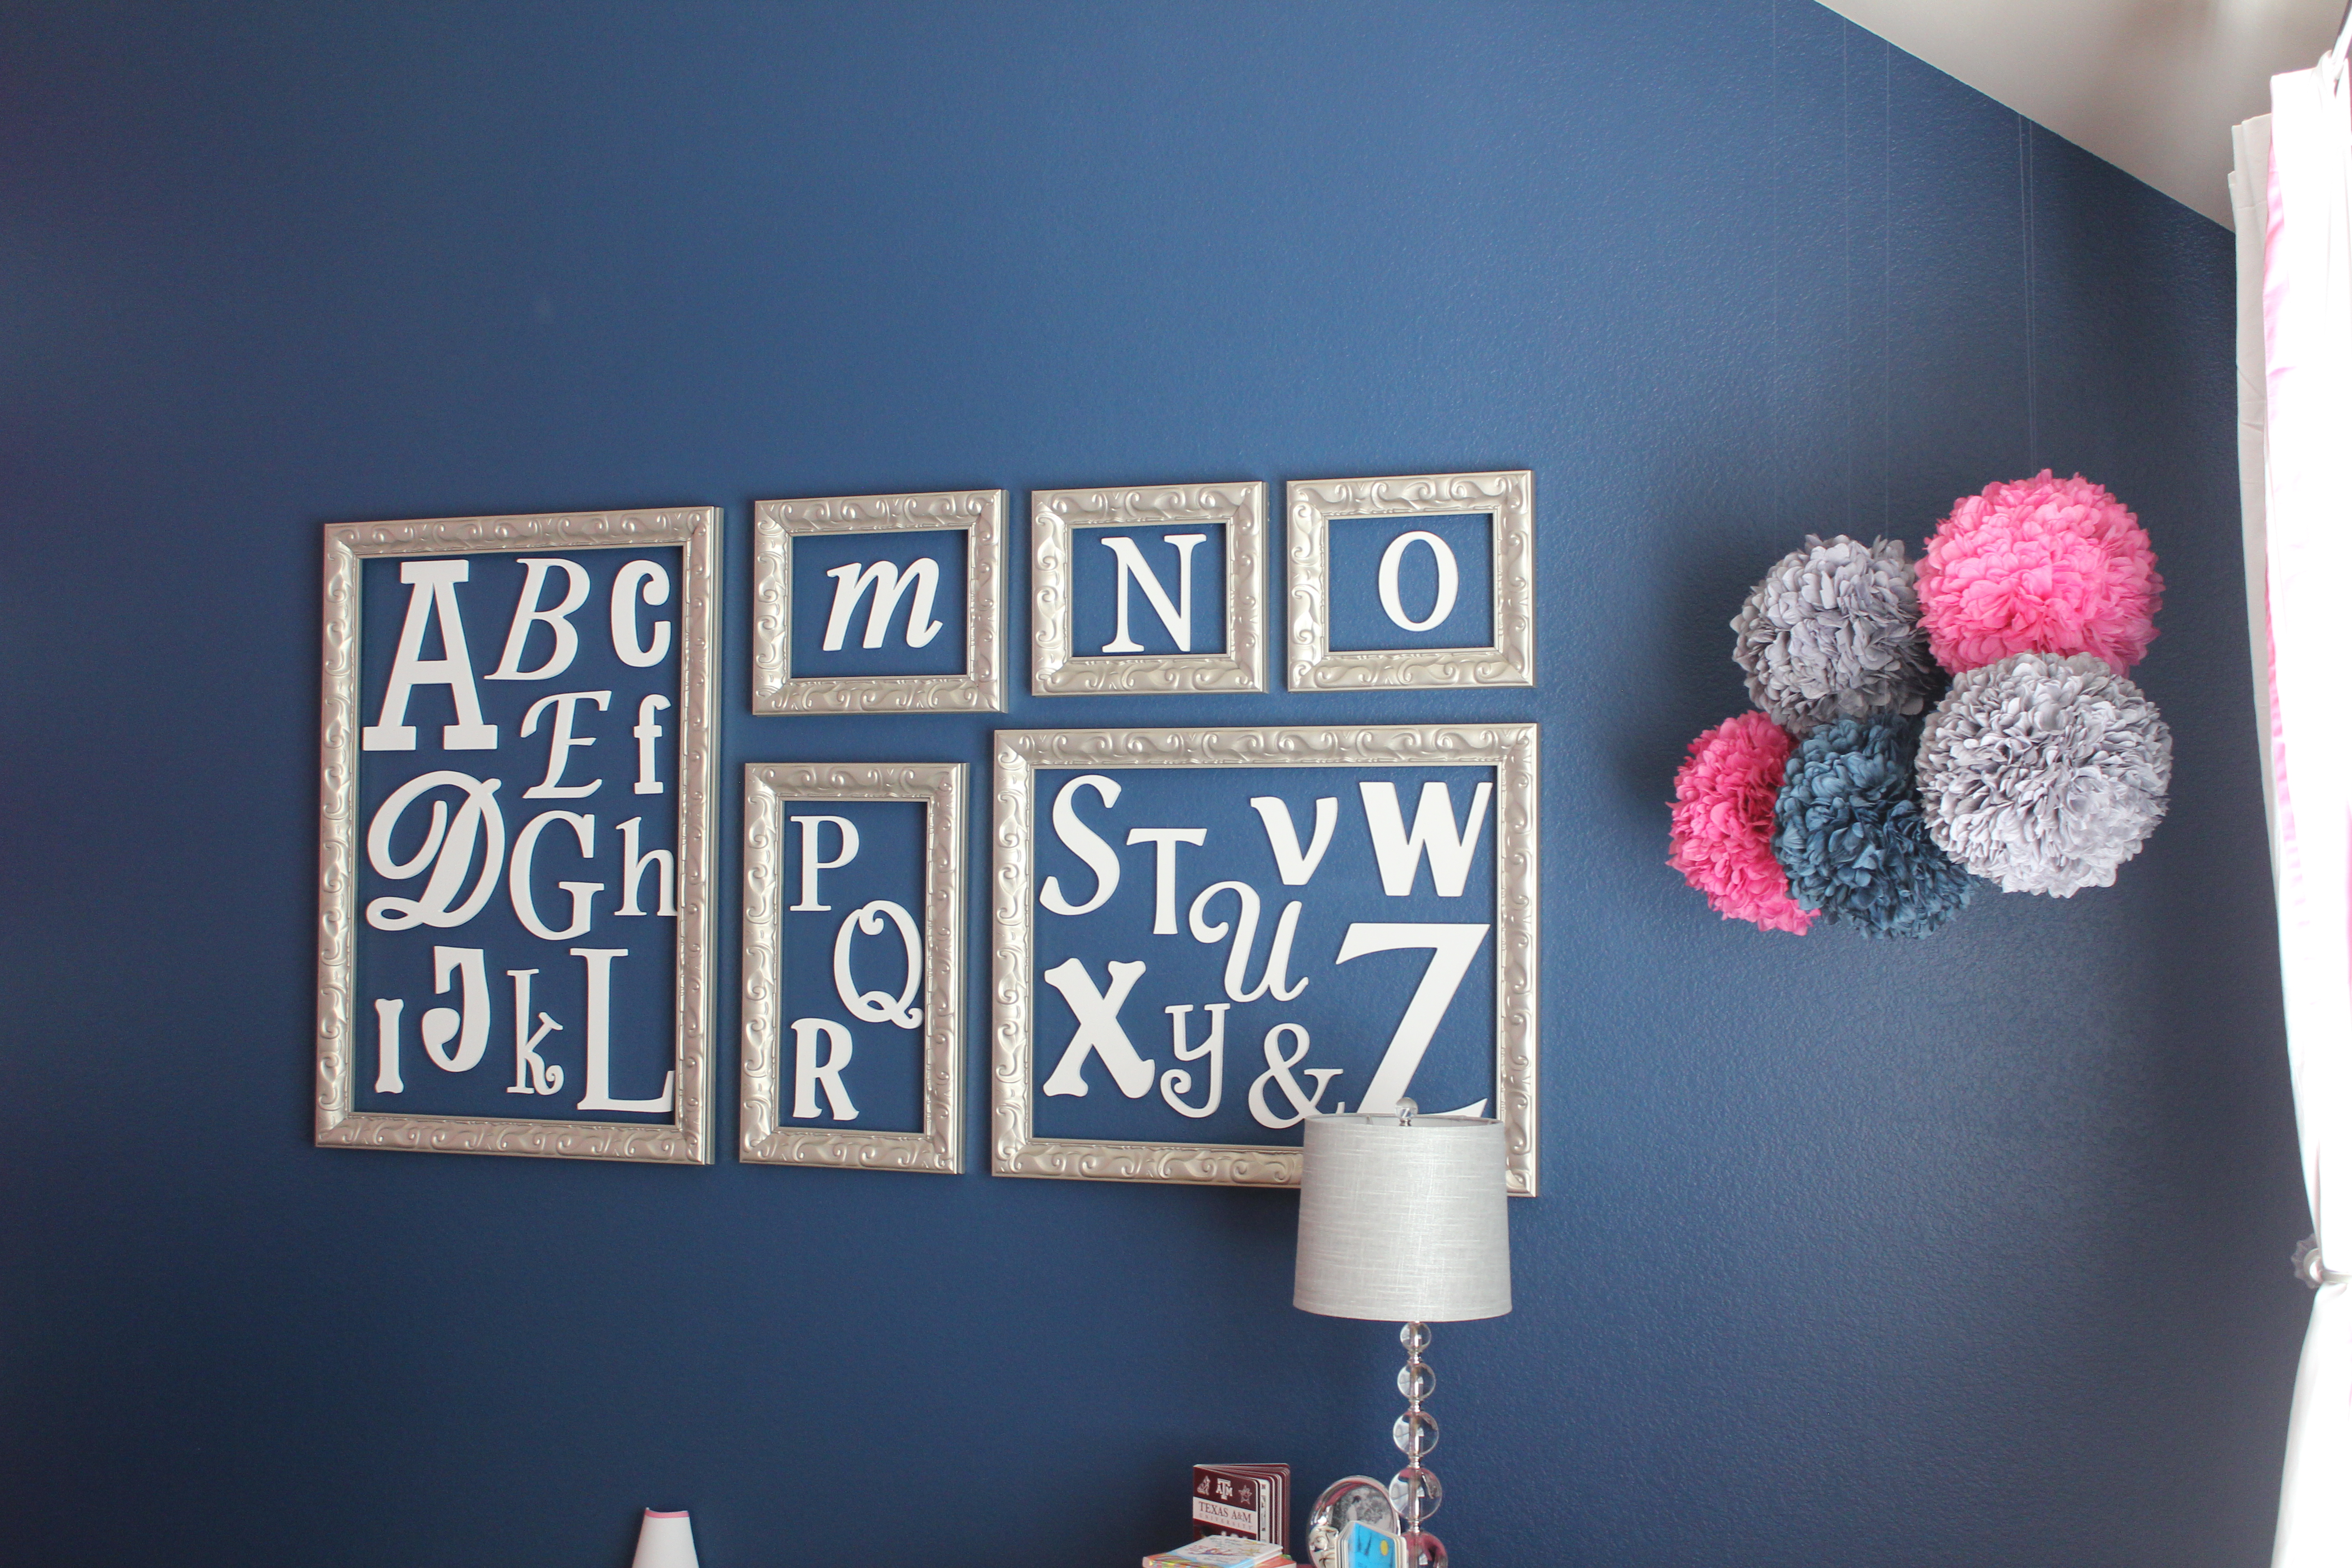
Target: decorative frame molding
765, 1140
980, 688
1054, 516
1509, 749
1507, 495
686, 1139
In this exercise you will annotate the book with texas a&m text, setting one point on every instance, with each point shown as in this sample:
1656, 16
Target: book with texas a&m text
1252, 1501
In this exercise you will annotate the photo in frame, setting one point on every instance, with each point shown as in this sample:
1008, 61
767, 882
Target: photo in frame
1422, 581
517, 735
879, 604
852, 964
1201, 937
1148, 589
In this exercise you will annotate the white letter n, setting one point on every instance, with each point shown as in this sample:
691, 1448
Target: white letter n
1178, 616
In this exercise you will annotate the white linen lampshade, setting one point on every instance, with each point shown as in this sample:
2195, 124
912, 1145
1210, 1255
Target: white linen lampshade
664, 1541
1403, 1222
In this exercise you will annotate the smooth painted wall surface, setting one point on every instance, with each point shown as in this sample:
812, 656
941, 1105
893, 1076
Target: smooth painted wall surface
1973, 1250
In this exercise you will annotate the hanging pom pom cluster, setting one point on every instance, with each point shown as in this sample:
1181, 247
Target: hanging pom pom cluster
1922, 734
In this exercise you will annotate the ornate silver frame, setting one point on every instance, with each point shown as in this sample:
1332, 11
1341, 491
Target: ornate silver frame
1509, 749
686, 1139
939, 787
980, 689
1055, 515
1508, 495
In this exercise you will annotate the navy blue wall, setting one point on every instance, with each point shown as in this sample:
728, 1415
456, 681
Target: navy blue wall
1973, 1250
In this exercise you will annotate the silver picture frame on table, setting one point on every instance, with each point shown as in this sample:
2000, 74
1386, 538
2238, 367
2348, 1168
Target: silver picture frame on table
1060, 520
1511, 749
685, 1137
980, 688
1507, 496
766, 1138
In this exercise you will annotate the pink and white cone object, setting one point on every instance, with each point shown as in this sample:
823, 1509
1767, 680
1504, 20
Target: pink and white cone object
665, 1541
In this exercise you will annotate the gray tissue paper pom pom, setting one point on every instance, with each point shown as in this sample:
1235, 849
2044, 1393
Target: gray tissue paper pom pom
2044, 773
1832, 632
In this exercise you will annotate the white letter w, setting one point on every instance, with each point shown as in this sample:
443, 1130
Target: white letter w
1400, 853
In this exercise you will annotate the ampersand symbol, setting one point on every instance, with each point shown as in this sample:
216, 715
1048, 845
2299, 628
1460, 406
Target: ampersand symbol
1277, 1070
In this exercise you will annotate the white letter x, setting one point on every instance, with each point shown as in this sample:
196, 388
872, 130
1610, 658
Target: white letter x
1099, 1029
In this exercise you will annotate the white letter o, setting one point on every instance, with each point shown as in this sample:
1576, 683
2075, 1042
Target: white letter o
1449, 579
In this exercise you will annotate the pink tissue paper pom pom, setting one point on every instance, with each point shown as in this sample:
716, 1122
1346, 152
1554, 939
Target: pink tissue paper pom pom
2040, 566
1722, 836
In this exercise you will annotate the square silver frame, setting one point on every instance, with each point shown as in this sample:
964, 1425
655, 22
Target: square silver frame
980, 688
686, 1139
1509, 749
1054, 516
1507, 495
765, 1140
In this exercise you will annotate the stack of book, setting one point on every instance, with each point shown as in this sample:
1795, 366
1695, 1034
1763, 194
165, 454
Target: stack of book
1252, 1501
1222, 1552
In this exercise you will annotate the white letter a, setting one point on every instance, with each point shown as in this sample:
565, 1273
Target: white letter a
431, 595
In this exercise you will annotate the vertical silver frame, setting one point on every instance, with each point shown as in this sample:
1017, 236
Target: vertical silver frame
980, 688
1509, 749
939, 788
1056, 516
1507, 495
686, 1138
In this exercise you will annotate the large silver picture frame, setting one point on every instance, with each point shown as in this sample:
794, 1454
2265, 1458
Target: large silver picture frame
1056, 516
1506, 495
939, 788
1509, 749
686, 1139
980, 688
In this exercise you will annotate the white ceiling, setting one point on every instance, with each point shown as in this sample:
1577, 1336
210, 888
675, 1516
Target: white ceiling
2151, 86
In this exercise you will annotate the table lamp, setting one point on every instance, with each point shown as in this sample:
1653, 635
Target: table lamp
1402, 1219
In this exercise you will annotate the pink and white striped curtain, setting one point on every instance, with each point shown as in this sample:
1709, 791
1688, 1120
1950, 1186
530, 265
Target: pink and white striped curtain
2293, 190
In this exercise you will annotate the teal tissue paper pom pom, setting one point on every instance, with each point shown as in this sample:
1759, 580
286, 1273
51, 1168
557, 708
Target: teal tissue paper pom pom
1849, 831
